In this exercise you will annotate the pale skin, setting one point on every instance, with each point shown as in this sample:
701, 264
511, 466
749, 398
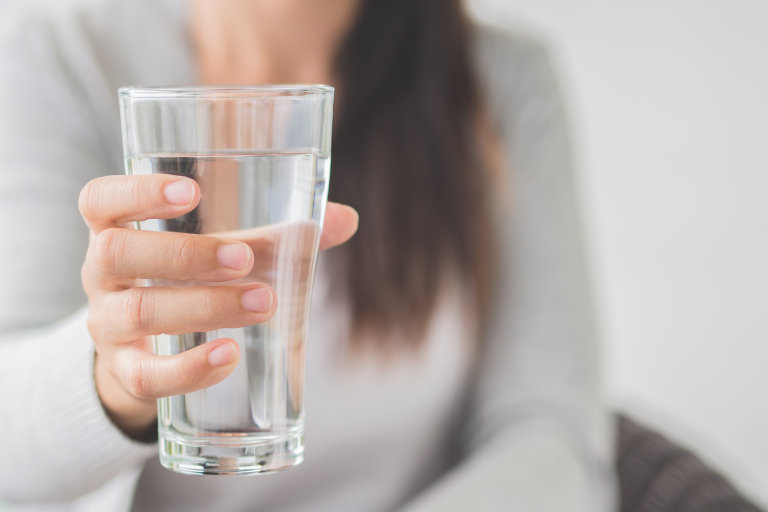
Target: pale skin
236, 41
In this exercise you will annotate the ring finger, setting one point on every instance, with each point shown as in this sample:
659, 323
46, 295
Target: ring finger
138, 312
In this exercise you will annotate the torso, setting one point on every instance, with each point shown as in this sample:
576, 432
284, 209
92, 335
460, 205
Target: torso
377, 430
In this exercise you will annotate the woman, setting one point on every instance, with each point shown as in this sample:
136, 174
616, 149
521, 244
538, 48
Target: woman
452, 357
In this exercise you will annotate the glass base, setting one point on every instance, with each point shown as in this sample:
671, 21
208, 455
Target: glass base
232, 455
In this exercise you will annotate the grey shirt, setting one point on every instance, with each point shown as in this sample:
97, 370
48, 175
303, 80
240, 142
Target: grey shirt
536, 436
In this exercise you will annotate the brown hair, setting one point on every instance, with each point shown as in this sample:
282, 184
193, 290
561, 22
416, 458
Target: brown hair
406, 156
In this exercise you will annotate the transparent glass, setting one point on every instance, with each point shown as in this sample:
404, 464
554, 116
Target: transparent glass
261, 156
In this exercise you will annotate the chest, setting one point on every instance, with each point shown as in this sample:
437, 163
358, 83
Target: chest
376, 431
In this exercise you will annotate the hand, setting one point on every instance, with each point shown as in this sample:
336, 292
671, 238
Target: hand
122, 316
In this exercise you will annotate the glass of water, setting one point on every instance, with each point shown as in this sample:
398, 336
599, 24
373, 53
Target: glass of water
261, 155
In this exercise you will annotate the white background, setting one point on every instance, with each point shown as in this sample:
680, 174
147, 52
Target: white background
669, 109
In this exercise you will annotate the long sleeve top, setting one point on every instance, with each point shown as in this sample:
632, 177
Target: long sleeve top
521, 411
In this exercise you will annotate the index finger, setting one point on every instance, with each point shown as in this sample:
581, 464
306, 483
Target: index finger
111, 201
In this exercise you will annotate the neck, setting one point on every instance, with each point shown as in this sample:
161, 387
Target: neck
267, 41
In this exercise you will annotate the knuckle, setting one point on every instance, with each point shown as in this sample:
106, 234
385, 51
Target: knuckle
88, 198
138, 307
177, 370
93, 324
184, 251
139, 379
106, 248
207, 304
89, 278
85, 278
134, 192
100, 321
145, 187
220, 306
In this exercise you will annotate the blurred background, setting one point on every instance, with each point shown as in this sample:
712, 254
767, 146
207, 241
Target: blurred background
670, 120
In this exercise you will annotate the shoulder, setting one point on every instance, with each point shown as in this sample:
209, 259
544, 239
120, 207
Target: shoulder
87, 36
520, 87
512, 64
495, 45
95, 16
62, 61
66, 18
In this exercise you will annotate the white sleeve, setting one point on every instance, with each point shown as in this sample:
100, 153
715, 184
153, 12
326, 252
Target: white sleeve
55, 439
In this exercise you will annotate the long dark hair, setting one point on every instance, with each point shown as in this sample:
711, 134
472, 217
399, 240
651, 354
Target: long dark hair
406, 156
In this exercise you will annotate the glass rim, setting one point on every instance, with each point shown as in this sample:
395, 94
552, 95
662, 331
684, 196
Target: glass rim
224, 91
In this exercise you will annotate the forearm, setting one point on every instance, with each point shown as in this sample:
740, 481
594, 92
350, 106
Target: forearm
56, 439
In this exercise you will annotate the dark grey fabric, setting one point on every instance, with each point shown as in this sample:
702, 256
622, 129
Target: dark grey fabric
657, 475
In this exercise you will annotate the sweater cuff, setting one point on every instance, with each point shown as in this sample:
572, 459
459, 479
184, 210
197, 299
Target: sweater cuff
78, 428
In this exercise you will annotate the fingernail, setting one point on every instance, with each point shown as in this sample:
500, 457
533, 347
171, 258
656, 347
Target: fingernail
258, 300
179, 192
233, 255
222, 356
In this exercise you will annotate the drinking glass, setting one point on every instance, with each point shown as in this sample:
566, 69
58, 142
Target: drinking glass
261, 155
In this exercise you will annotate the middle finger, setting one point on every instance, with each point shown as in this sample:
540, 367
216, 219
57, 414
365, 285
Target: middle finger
118, 253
